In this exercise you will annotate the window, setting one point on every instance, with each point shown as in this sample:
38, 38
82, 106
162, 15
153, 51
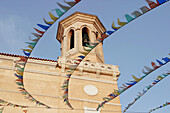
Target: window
71, 34
85, 36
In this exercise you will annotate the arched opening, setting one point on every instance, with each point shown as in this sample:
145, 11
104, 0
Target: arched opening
71, 33
85, 36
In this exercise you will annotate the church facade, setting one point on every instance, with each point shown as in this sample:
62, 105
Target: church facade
91, 81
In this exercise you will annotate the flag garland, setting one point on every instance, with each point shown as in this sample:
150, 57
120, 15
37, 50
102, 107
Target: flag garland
158, 79
166, 104
5, 103
2, 108
21, 63
127, 85
136, 14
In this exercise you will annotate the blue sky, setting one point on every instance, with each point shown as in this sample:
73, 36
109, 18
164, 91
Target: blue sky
132, 47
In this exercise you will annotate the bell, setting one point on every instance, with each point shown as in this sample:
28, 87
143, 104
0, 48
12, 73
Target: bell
85, 39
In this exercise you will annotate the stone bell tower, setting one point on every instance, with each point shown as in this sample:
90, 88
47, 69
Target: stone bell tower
77, 30
93, 79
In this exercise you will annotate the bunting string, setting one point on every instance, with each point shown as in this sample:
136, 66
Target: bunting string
5, 103
164, 105
128, 85
91, 46
1, 108
158, 79
21, 63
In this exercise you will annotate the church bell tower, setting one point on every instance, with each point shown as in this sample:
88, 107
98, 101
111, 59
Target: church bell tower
75, 31
93, 79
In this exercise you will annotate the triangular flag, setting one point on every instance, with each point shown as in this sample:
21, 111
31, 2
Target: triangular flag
31, 47
160, 63
43, 26
166, 59
41, 32
145, 72
27, 50
144, 9
136, 14
37, 35
59, 12
49, 23
154, 65
65, 8
70, 3
114, 27
121, 23
77, 1
53, 17
128, 18
151, 4
148, 69
31, 44
161, 1
27, 54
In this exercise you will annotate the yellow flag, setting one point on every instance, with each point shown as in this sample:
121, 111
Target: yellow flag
114, 27
53, 17
121, 23
48, 22
136, 79
28, 50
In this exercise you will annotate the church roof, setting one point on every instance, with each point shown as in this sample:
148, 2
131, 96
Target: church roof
13, 55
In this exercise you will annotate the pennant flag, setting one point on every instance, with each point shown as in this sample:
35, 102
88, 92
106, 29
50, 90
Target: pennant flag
77, 1
95, 44
41, 32
31, 44
90, 46
128, 17
27, 50
48, 23
161, 1
52, 17
27, 54
121, 23
59, 12
166, 59
136, 79
43, 26
34, 40
65, 8
19, 83
148, 69
114, 27
37, 35
154, 65
144, 9
84, 53
82, 57
136, 14
70, 3
22, 58
87, 49
151, 4
160, 63
108, 32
